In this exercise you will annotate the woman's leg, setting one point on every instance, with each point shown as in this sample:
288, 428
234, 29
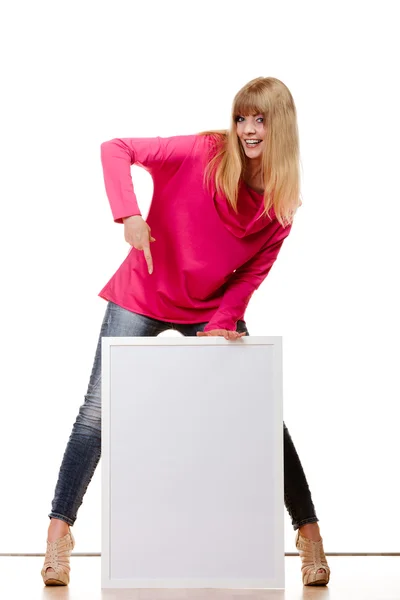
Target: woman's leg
82, 453
297, 494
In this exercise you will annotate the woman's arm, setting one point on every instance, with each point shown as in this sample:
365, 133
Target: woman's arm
119, 154
243, 284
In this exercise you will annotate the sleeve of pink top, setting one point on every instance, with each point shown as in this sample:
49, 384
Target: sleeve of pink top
119, 154
243, 283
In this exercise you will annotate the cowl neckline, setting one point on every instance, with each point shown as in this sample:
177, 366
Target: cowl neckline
248, 220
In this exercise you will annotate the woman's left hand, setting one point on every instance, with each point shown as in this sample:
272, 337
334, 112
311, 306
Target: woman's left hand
228, 335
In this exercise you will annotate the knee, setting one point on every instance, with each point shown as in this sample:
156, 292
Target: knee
89, 417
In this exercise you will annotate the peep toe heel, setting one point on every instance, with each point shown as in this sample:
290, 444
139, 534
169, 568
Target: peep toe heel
57, 558
312, 560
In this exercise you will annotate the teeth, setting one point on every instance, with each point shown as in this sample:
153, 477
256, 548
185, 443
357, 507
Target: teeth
252, 142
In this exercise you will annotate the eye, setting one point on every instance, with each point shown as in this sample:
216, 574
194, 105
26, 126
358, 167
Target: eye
260, 119
239, 119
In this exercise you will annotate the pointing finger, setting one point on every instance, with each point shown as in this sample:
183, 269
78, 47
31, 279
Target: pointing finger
149, 259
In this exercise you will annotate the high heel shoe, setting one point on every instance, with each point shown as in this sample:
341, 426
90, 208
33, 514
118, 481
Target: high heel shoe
313, 559
57, 558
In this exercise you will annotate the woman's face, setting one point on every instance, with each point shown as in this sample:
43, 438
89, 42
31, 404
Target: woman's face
251, 133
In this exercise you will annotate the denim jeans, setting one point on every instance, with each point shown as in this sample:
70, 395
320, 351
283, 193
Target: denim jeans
83, 450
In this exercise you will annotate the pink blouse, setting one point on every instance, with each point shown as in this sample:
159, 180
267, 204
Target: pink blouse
207, 259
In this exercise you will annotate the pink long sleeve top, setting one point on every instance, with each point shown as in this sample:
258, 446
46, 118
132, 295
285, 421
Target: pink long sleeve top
207, 259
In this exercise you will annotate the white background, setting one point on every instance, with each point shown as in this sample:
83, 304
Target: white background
79, 73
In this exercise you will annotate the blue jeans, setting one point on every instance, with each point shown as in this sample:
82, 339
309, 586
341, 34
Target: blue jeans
83, 450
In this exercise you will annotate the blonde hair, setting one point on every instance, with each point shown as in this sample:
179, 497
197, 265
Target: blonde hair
280, 167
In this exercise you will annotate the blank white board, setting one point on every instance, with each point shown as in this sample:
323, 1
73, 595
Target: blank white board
192, 463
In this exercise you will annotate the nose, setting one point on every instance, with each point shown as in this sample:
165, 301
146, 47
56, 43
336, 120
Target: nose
249, 128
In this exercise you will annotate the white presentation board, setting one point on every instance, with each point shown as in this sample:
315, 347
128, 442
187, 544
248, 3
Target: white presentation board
192, 462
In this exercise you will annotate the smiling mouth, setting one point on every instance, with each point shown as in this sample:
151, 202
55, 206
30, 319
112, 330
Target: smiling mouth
252, 143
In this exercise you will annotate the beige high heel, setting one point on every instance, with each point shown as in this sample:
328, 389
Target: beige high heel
312, 558
57, 557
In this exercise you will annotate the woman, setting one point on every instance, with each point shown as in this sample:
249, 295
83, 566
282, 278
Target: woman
223, 203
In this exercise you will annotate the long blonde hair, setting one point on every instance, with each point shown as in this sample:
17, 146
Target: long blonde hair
280, 170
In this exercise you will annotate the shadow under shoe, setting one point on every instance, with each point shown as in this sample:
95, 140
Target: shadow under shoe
57, 558
313, 559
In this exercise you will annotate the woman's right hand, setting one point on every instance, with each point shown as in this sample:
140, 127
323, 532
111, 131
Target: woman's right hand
138, 235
